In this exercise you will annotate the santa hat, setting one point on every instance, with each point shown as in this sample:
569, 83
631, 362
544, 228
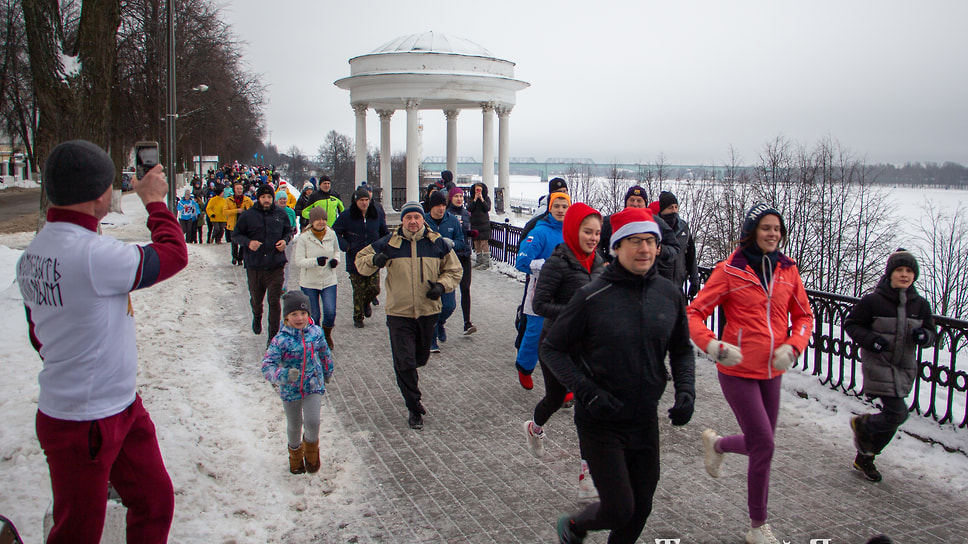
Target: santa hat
631, 221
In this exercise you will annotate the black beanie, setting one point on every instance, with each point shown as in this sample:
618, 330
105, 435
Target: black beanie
265, 189
294, 300
437, 198
667, 199
77, 171
556, 185
902, 257
635, 190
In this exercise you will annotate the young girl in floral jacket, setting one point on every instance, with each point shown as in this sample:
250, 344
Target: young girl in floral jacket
299, 361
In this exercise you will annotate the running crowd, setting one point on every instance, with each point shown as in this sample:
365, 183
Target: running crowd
604, 315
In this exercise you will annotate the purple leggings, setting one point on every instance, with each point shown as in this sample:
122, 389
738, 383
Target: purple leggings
755, 404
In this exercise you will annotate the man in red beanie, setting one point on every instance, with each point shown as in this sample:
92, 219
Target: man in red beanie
620, 327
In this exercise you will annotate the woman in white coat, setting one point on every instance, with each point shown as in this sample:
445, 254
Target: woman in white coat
317, 256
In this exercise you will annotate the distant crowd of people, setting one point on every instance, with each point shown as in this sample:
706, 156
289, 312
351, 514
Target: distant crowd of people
604, 314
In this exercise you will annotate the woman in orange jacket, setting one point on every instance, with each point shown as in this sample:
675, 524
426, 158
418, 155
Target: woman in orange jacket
768, 324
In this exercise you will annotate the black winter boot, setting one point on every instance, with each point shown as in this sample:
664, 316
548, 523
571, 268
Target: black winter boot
862, 440
865, 464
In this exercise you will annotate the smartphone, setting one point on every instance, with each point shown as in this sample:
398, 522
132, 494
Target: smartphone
145, 157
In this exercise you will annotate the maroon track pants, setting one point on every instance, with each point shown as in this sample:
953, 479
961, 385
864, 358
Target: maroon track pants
84, 455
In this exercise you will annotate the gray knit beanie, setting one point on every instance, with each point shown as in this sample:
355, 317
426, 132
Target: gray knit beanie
77, 171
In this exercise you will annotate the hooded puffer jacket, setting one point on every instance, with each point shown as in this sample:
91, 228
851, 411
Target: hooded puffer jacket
757, 319
480, 211
891, 314
305, 349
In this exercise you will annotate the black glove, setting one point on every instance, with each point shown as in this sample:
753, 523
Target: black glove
681, 412
380, 260
436, 289
693, 288
333, 263
321, 261
599, 403
921, 337
879, 344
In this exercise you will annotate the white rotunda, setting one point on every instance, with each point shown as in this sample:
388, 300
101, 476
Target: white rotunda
432, 71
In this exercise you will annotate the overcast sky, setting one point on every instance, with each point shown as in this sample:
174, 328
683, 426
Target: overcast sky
620, 81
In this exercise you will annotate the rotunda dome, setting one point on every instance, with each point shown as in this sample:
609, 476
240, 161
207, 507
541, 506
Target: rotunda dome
433, 42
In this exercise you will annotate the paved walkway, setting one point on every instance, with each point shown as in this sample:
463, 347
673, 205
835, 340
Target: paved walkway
468, 477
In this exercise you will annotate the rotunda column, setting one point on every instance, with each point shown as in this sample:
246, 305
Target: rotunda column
451, 116
360, 110
487, 170
413, 144
503, 149
386, 168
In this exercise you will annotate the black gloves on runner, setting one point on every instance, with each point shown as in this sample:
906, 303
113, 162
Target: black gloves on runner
436, 289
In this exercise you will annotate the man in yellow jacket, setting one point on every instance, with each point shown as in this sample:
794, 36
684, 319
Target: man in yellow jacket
235, 205
216, 213
421, 266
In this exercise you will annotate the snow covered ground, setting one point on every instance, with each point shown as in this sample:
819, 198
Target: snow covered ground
221, 427
220, 424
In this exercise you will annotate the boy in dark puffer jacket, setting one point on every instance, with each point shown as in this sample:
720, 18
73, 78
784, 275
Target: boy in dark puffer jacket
889, 325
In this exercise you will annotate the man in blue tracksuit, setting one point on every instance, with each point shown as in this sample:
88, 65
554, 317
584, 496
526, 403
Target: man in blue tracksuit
438, 219
537, 247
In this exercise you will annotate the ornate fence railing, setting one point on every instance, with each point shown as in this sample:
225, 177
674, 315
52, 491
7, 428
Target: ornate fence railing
940, 390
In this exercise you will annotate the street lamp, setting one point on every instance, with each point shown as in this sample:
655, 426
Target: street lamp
200, 89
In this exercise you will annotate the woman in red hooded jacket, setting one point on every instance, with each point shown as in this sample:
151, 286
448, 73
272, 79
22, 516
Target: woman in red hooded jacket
768, 325
572, 265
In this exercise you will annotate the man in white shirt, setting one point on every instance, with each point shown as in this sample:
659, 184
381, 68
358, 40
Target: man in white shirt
91, 423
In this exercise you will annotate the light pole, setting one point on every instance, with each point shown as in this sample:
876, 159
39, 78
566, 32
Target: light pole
170, 115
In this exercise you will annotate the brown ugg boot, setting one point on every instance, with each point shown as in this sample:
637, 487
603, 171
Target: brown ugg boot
312, 456
296, 459
328, 331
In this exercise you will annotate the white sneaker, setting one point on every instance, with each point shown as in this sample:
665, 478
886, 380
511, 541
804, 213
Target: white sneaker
713, 459
586, 486
761, 535
535, 436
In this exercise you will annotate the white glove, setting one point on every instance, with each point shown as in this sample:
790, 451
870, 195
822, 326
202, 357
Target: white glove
784, 356
293, 374
536, 265
723, 353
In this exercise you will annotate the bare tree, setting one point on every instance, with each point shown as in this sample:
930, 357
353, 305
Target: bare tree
581, 185
613, 190
338, 158
944, 259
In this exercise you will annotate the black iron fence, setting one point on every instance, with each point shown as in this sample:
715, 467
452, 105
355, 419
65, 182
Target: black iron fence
941, 388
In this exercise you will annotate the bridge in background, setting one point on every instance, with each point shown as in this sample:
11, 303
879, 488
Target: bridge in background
529, 166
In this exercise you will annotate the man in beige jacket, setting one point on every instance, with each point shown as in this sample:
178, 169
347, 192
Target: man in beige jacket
421, 266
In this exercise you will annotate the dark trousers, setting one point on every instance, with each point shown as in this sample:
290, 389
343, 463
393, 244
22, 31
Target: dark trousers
261, 284
465, 288
410, 344
83, 455
187, 230
882, 426
553, 397
365, 289
197, 231
236, 248
626, 479
216, 230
